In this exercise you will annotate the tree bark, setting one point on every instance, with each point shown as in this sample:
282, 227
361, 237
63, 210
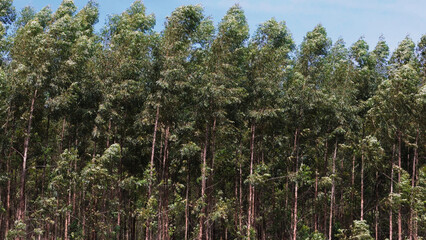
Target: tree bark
250, 219
201, 232
151, 170
295, 151
210, 184
399, 181
353, 185
330, 226
315, 201
362, 184
413, 222
391, 193
187, 203
376, 224
164, 200
21, 209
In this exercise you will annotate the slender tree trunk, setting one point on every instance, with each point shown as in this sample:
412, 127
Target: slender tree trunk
62, 136
45, 157
240, 215
250, 221
362, 184
109, 132
151, 170
295, 151
377, 208
399, 181
8, 191
201, 232
165, 214
210, 199
391, 194
315, 201
67, 214
187, 203
413, 213
236, 191
353, 185
330, 225
119, 192
21, 209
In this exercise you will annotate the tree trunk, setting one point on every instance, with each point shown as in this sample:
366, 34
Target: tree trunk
210, 184
109, 133
21, 209
240, 215
315, 201
187, 202
164, 200
376, 224
399, 181
62, 136
391, 194
413, 213
151, 170
295, 151
250, 219
353, 185
201, 232
330, 225
362, 184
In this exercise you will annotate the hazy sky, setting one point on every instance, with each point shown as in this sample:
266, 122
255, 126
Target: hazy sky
349, 19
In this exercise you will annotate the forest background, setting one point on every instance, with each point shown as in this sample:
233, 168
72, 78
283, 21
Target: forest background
203, 132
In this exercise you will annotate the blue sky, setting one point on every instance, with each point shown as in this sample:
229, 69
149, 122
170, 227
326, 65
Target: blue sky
349, 19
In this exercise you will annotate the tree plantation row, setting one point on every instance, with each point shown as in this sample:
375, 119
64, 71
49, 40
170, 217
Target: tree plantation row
203, 132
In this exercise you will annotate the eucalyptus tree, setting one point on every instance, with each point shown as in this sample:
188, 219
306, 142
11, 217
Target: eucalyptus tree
393, 110
361, 56
217, 90
312, 53
7, 18
54, 64
175, 46
70, 102
311, 76
126, 70
268, 58
30, 62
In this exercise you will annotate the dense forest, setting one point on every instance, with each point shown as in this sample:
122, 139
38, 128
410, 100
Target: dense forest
204, 132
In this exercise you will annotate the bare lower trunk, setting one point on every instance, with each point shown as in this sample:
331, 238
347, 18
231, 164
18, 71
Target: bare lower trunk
362, 184
8, 193
165, 201
201, 232
62, 136
353, 185
21, 209
240, 215
330, 225
250, 221
399, 181
391, 194
210, 184
187, 203
151, 170
413, 222
67, 216
295, 151
109, 133
315, 200
376, 224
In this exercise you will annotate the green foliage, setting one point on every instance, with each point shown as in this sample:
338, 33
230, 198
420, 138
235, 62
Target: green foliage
18, 230
238, 117
358, 231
